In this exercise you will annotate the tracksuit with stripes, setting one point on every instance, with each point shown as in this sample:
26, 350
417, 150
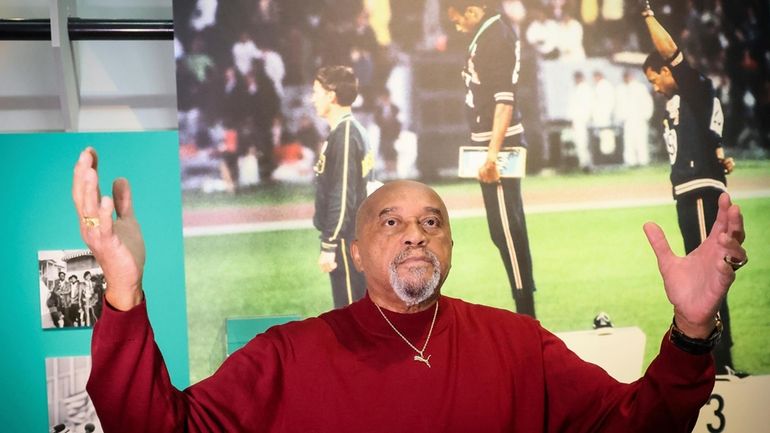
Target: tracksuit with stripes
693, 133
341, 174
491, 75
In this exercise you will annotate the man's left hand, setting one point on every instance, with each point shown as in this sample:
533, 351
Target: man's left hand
697, 283
326, 261
488, 173
728, 164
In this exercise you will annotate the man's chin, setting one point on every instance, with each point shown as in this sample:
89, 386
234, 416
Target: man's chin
416, 294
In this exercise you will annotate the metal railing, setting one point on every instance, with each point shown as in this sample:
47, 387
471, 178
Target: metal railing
81, 29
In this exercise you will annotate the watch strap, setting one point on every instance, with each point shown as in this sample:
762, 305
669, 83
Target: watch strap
695, 346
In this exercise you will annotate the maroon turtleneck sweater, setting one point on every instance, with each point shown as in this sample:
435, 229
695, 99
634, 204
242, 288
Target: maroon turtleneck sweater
348, 371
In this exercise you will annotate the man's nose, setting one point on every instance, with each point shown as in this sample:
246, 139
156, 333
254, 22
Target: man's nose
414, 235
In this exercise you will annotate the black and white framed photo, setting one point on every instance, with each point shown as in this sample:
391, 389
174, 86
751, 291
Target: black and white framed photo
69, 407
71, 286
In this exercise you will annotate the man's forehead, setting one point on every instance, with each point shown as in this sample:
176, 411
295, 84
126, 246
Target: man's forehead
650, 73
402, 194
398, 210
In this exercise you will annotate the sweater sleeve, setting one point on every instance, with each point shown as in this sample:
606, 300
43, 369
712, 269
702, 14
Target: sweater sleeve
131, 390
583, 398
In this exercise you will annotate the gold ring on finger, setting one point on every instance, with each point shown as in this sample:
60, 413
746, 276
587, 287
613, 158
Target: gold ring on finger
735, 263
91, 222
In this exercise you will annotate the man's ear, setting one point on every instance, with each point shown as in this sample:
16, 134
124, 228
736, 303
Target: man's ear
355, 254
475, 12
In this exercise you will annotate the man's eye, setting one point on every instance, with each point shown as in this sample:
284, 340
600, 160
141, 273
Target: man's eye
390, 222
431, 222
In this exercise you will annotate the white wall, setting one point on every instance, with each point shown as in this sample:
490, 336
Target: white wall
123, 85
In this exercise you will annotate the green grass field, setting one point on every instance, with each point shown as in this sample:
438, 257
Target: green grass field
585, 262
656, 174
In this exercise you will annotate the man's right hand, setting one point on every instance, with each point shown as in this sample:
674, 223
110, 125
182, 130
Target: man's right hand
728, 164
489, 173
117, 245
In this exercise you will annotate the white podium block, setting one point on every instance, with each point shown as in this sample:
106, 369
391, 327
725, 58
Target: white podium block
619, 351
737, 406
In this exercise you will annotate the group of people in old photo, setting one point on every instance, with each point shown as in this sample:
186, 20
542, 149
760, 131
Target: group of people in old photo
73, 299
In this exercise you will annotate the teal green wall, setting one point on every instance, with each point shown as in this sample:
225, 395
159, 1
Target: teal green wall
37, 214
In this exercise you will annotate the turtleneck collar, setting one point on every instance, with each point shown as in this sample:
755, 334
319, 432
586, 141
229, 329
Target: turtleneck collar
413, 325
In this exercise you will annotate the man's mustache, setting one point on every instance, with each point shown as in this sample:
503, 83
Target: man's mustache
407, 253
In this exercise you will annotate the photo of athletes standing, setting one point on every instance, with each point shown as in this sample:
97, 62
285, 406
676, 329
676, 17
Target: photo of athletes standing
562, 78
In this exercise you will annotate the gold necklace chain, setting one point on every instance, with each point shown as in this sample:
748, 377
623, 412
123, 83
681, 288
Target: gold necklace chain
420, 357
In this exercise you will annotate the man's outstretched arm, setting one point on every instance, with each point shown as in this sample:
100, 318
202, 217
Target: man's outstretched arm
677, 382
129, 383
664, 43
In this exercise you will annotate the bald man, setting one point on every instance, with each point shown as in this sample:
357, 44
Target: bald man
405, 357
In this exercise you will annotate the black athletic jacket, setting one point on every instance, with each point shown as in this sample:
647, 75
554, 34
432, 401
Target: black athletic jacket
491, 74
693, 132
341, 175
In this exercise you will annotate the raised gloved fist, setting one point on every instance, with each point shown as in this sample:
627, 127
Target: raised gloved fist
647, 9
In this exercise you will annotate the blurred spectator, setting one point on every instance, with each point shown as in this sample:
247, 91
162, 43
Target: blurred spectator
579, 113
227, 145
307, 133
530, 88
541, 34
248, 168
274, 68
634, 110
230, 99
363, 50
701, 36
204, 14
263, 107
514, 10
294, 161
568, 38
379, 15
433, 36
747, 63
198, 62
266, 23
386, 118
244, 53
406, 28
297, 56
601, 113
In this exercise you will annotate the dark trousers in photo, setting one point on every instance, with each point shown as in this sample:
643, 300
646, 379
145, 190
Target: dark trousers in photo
348, 285
697, 212
508, 229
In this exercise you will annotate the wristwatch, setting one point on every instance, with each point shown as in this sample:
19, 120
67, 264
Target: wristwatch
695, 346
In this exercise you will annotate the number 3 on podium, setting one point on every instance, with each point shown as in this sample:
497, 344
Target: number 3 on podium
718, 413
